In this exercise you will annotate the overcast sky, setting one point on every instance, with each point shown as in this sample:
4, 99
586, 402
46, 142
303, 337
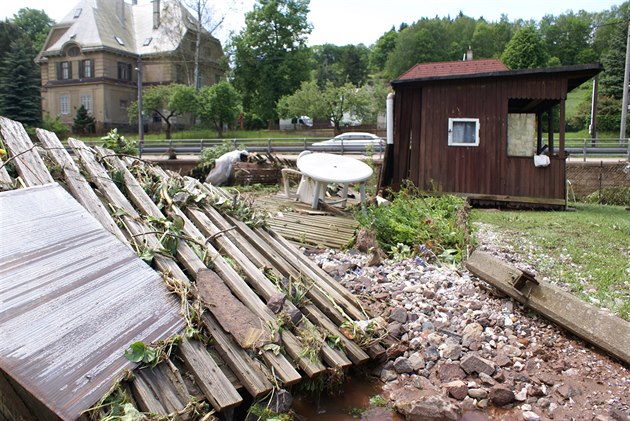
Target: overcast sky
344, 22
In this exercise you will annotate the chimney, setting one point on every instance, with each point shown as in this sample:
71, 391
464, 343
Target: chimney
156, 14
469, 54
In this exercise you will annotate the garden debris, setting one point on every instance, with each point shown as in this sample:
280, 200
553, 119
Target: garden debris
174, 224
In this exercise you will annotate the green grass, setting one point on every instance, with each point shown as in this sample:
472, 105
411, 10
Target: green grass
576, 97
588, 250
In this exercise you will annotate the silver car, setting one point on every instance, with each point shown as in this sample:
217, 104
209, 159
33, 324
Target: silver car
352, 141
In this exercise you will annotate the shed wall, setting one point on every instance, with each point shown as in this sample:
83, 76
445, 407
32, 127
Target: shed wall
422, 153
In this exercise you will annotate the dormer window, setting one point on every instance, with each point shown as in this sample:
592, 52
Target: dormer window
77, 13
73, 51
119, 40
147, 41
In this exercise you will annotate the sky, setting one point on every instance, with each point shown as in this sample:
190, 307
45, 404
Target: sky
343, 22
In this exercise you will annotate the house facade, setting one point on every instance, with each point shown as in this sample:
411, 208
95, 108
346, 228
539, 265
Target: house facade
96, 54
479, 129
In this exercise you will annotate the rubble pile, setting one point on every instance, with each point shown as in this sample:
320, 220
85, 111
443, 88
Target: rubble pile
464, 349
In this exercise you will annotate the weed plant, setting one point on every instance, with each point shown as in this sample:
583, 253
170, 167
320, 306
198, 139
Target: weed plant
416, 225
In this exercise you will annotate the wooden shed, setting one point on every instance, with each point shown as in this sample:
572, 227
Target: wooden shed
474, 128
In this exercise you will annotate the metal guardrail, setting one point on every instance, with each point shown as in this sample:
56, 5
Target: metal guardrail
275, 145
589, 147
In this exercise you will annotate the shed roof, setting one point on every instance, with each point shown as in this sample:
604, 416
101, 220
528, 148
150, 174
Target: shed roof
453, 68
475, 69
73, 298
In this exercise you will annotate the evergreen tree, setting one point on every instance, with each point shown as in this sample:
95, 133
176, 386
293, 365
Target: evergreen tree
614, 62
20, 97
525, 50
84, 122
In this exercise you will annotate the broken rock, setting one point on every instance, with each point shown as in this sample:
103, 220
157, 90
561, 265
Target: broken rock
501, 395
474, 364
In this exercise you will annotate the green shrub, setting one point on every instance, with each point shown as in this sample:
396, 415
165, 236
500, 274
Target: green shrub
617, 196
429, 227
55, 125
119, 144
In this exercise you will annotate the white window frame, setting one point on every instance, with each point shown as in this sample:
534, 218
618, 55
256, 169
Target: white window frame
86, 101
454, 121
64, 104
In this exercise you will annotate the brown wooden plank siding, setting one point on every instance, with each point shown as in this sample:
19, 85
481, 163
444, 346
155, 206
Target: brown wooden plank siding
421, 150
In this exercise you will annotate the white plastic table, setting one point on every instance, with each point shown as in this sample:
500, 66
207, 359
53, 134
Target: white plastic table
326, 168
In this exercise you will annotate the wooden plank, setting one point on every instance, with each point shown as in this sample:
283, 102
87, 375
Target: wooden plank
594, 325
243, 366
28, 163
77, 184
209, 376
231, 314
354, 351
160, 389
264, 286
5, 179
283, 368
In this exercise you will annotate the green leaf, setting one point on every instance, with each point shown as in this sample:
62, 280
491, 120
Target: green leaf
135, 352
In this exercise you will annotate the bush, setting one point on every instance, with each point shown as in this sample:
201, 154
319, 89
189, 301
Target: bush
55, 125
617, 196
119, 143
429, 227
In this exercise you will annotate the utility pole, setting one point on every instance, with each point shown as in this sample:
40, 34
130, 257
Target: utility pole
140, 122
624, 101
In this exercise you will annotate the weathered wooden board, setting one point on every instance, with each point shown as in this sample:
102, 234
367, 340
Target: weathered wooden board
30, 166
594, 325
209, 376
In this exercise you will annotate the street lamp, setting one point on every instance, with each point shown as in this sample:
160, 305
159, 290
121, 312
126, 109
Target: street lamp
140, 122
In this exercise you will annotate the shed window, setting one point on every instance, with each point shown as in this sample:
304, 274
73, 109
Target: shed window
463, 131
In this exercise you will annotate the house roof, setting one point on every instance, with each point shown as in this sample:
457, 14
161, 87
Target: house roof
453, 68
122, 27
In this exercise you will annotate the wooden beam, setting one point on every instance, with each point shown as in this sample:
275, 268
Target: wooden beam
209, 377
30, 166
77, 184
594, 325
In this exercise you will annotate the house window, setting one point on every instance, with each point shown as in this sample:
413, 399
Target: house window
86, 101
86, 68
64, 70
77, 13
124, 71
74, 51
123, 105
463, 131
64, 104
119, 40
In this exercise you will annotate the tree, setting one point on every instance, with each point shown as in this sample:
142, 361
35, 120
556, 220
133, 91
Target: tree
614, 62
83, 122
330, 103
381, 49
270, 55
341, 64
167, 101
20, 98
219, 104
35, 23
525, 50
568, 37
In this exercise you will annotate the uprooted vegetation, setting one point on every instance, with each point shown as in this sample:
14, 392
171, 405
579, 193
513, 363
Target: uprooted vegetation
431, 227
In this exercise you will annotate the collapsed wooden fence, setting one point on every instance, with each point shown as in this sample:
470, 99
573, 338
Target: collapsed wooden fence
254, 347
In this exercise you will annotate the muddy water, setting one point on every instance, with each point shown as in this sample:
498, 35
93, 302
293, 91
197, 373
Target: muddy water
352, 404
